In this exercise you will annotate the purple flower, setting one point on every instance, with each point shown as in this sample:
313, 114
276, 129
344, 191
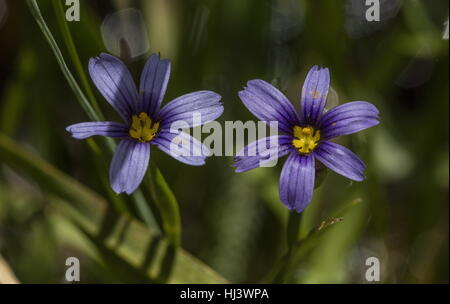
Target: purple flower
305, 138
144, 122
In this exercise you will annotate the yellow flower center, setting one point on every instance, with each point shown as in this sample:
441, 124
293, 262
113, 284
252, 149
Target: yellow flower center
142, 128
306, 139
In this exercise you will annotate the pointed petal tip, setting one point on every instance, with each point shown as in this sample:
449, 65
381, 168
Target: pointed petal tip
154, 55
202, 163
235, 168
217, 97
253, 82
157, 57
100, 56
258, 83
116, 188
287, 204
119, 191
313, 68
241, 170
318, 67
300, 210
119, 188
341, 160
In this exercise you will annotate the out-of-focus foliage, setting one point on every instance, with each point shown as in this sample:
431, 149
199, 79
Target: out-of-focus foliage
55, 200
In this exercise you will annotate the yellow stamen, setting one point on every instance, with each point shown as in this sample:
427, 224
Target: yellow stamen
142, 128
306, 139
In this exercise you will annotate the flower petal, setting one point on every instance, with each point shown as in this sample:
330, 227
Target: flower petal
314, 95
104, 128
114, 81
128, 166
341, 160
182, 147
153, 84
193, 109
262, 151
348, 118
267, 103
297, 181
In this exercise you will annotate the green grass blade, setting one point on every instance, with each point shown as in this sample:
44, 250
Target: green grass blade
119, 236
73, 53
166, 204
34, 9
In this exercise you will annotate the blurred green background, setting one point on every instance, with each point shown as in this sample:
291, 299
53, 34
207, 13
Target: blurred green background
233, 224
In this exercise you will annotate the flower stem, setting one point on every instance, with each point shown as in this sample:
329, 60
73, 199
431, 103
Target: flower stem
67, 36
293, 227
292, 235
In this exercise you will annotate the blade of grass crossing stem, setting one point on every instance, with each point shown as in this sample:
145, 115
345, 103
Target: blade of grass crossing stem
145, 211
166, 204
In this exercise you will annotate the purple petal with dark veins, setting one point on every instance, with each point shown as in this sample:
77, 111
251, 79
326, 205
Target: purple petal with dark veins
341, 160
182, 147
348, 118
267, 103
114, 81
128, 166
103, 128
262, 152
192, 109
153, 84
297, 181
314, 95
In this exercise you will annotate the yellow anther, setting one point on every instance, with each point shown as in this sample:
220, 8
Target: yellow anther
142, 128
306, 131
305, 139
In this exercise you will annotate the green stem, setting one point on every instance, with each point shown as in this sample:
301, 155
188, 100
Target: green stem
293, 227
292, 237
67, 36
166, 204
145, 211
